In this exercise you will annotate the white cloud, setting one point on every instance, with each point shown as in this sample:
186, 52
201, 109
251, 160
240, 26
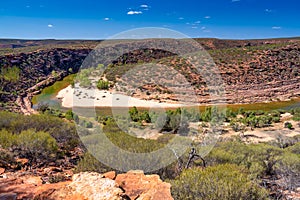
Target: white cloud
207, 17
194, 27
144, 6
180, 18
268, 10
132, 12
106, 19
276, 27
197, 22
203, 28
50, 26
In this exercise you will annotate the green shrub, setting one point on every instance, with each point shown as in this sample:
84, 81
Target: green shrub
215, 183
30, 144
102, 85
294, 148
88, 163
6, 159
236, 126
86, 124
134, 114
72, 116
289, 168
296, 114
64, 132
259, 159
296, 117
139, 116
36, 145
69, 115
7, 139
288, 125
11, 74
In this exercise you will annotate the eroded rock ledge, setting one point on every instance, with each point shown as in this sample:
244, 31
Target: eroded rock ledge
88, 186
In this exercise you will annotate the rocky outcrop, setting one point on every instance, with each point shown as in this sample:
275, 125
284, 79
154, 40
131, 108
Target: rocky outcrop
93, 186
133, 185
38, 70
246, 75
144, 187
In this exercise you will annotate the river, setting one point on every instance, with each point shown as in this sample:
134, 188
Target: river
48, 96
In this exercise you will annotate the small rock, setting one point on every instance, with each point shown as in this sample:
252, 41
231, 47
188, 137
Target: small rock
23, 161
52, 169
111, 175
2, 170
37, 181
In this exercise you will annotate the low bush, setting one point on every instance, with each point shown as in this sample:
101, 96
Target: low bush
64, 132
6, 158
289, 169
30, 144
102, 85
215, 183
259, 159
88, 163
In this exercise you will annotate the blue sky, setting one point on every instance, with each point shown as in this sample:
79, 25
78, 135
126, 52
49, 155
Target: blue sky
73, 19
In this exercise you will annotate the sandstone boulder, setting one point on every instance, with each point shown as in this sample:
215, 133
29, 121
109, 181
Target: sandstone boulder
94, 186
142, 187
111, 175
2, 170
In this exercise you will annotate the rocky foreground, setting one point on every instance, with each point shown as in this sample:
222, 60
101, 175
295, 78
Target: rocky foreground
86, 186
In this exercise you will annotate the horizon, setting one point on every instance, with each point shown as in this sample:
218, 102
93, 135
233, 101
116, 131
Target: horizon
96, 39
98, 20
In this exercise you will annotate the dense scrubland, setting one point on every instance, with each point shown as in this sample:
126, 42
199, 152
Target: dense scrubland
233, 169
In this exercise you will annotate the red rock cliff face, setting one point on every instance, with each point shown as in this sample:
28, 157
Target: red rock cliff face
36, 72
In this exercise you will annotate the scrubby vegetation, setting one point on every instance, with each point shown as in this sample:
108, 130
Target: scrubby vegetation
11, 74
31, 145
39, 138
233, 170
102, 85
215, 183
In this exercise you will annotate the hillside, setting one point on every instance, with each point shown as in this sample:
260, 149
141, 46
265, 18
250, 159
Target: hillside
251, 70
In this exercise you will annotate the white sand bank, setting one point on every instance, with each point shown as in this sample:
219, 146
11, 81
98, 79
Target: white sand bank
83, 97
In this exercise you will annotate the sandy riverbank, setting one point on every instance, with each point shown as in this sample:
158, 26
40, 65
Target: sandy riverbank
83, 97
